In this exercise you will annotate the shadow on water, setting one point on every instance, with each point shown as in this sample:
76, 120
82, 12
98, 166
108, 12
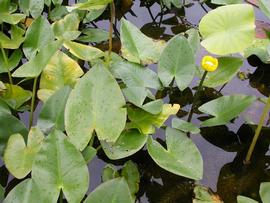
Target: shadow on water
223, 147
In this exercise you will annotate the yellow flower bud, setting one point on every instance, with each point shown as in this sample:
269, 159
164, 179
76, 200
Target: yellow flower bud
209, 63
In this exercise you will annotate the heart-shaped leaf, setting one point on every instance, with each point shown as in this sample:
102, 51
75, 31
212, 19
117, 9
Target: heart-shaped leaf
225, 108
129, 142
59, 72
18, 157
115, 190
84, 52
228, 29
35, 66
228, 67
181, 156
25, 192
265, 192
88, 108
16, 39
13, 125
35, 7
177, 61
60, 166
146, 122
52, 112
38, 35
137, 47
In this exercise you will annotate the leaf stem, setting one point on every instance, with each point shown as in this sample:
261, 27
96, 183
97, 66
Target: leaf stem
112, 8
196, 96
258, 130
6, 63
33, 102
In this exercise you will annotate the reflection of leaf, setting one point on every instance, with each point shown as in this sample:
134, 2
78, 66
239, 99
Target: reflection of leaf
96, 103
138, 48
225, 108
115, 190
181, 156
145, 121
18, 157
59, 72
228, 29
60, 166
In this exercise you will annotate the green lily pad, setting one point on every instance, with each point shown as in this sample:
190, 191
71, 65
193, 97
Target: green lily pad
16, 39
88, 108
265, 192
185, 126
242, 199
89, 5
12, 61
181, 156
60, 166
18, 157
228, 29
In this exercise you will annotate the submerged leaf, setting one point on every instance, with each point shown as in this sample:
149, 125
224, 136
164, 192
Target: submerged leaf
137, 47
181, 156
96, 103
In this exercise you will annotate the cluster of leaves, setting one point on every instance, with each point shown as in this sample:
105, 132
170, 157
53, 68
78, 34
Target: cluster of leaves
112, 102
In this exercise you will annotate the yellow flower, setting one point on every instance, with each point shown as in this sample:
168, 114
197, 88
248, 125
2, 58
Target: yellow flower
209, 63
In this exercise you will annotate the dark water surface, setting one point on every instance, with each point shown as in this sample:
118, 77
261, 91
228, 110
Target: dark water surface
223, 148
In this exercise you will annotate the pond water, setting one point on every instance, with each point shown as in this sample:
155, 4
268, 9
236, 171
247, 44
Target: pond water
223, 148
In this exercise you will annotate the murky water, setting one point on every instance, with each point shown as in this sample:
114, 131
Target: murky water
222, 148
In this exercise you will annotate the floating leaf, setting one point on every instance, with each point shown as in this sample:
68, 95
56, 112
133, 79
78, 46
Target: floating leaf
89, 5
185, 126
265, 192
35, 7
129, 142
228, 67
204, 195
137, 47
228, 29
12, 61
259, 48
13, 125
25, 192
242, 199
67, 28
94, 35
226, 2
18, 157
35, 66
265, 7
38, 35
89, 153
131, 174
84, 52
52, 112
4, 107
115, 190
59, 72
109, 172
88, 108
177, 61
12, 19
169, 3
16, 38
181, 156
60, 166
225, 108
15, 96
193, 39
145, 121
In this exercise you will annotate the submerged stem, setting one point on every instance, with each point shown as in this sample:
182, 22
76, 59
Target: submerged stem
196, 96
258, 130
33, 102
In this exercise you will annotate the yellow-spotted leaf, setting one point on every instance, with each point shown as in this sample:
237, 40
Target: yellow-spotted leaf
95, 104
228, 29
59, 72
18, 157
137, 47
